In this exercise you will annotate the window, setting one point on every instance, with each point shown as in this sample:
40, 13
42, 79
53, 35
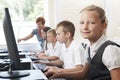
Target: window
23, 14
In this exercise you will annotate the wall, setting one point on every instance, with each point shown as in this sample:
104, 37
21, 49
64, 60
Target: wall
69, 10
113, 15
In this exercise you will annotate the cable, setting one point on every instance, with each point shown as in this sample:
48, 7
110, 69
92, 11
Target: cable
6, 66
5, 60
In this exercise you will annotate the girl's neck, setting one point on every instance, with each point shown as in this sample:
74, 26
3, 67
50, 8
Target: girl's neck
92, 41
54, 42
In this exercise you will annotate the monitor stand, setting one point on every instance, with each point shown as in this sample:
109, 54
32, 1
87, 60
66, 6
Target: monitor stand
14, 74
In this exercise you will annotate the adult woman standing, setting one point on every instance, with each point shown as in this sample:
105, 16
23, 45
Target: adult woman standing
40, 21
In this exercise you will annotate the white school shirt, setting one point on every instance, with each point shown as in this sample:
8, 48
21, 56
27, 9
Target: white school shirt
111, 54
54, 51
73, 55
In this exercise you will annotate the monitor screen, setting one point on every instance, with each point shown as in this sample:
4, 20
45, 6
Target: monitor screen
12, 49
10, 40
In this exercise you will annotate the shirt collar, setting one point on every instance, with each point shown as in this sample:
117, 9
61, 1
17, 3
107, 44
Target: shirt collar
71, 44
98, 43
56, 44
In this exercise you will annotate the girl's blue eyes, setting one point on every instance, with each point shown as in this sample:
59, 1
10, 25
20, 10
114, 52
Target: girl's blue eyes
81, 22
88, 23
92, 22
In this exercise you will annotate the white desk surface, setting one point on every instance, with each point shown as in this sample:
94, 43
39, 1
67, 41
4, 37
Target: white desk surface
34, 75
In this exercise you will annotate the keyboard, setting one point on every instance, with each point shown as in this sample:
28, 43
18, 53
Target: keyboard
33, 57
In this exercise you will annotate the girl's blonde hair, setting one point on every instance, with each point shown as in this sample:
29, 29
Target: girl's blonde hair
52, 31
99, 10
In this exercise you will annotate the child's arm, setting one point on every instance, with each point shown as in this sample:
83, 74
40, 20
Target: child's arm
52, 63
115, 74
82, 74
50, 58
77, 68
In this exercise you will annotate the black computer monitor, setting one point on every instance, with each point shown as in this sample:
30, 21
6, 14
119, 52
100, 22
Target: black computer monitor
12, 48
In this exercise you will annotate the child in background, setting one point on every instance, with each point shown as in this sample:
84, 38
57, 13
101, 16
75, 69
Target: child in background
44, 45
54, 50
44, 36
72, 55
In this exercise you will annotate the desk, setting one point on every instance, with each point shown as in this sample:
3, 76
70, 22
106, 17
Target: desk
5, 55
34, 75
26, 64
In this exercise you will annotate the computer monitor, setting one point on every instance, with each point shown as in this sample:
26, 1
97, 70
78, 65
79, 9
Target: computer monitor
12, 48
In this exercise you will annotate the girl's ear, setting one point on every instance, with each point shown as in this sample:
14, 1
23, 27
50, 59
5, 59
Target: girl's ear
104, 25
